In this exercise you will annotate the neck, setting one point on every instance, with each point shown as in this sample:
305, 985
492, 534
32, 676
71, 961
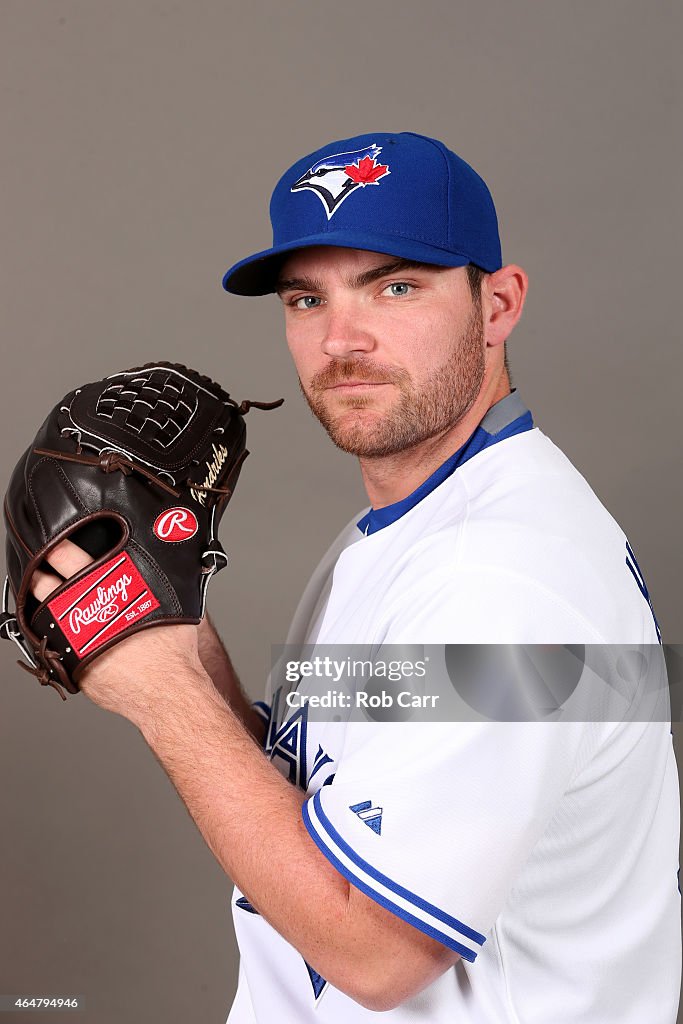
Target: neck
393, 477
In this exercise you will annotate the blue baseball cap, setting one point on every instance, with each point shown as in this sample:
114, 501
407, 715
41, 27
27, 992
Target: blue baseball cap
402, 194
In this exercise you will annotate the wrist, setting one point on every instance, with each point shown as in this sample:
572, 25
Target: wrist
171, 699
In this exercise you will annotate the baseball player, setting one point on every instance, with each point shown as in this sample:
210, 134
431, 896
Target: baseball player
480, 872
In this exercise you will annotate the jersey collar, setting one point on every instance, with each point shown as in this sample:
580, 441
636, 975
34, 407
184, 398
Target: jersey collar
507, 417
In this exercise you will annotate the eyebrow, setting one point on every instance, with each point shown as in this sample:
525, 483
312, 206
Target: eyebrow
361, 280
295, 284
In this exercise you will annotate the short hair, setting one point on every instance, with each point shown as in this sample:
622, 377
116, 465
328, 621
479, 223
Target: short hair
475, 277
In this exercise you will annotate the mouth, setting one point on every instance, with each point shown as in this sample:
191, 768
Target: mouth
357, 385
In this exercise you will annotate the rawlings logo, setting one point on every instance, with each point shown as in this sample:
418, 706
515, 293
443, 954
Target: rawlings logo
335, 177
105, 606
175, 524
109, 600
220, 454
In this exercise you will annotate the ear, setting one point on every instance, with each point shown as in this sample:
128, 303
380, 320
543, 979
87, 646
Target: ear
503, 294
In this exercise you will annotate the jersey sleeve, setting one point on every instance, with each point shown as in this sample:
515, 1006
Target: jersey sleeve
434, 821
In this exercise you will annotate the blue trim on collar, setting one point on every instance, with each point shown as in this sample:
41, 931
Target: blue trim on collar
499, 418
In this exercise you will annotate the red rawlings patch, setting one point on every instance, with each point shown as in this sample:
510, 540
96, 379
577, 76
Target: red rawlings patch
102, 604
175, 524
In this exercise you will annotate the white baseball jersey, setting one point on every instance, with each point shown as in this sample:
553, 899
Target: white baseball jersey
544, 853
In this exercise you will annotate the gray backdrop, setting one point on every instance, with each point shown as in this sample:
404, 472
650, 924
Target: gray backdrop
141, 140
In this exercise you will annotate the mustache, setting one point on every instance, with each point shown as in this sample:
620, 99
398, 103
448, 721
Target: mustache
357, 369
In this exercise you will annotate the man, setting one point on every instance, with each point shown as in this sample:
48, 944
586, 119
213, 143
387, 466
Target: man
480, 871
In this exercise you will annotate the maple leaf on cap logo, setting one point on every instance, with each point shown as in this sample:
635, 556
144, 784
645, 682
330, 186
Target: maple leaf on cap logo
366, 171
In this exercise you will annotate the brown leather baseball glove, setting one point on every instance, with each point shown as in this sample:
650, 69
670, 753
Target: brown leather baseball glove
136, 469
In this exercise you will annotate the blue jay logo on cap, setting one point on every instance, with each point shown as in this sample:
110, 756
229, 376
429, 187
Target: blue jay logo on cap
335, 177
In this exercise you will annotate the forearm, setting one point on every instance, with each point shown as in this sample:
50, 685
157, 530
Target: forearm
219, 668
250, 817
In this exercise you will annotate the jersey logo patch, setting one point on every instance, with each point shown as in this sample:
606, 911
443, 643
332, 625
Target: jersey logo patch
335, 177
371, 816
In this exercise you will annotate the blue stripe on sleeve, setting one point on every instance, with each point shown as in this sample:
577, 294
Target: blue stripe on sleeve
388, 883
426, 929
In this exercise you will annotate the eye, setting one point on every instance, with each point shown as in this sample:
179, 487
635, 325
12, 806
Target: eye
399, 288
306, 302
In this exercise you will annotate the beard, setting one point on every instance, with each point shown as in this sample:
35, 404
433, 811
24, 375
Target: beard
423, 410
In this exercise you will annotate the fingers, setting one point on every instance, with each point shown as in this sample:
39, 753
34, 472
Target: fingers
43, 583
67, 559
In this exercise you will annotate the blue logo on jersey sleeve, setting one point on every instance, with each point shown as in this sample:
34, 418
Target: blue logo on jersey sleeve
369, 815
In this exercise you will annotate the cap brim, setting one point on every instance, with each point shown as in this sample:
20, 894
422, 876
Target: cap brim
258, 274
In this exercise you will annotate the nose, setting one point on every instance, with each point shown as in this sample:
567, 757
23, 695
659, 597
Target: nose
344, 333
